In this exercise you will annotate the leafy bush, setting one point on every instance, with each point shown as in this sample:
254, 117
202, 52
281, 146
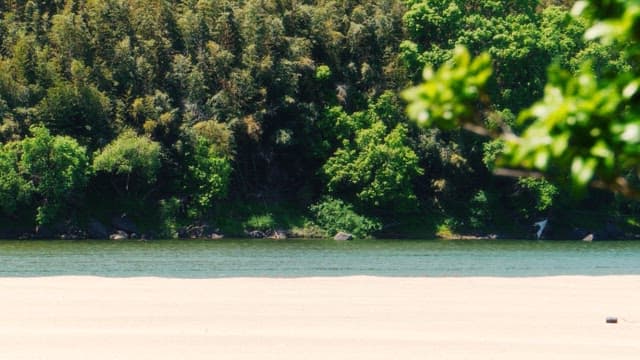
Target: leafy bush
78, 111
216, 134
262, 222
334, 215
447, 228
15, 189
45, 168
375, 166
480, 210
208, 162
323, 72
543, 191
130, 156
490, 152
169, 210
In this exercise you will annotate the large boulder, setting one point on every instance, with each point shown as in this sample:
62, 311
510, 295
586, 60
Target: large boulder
45, 232
60, 230
12, 233
343, 236
256, 234
279, 235
72, 232
612, 232
609, 232
124, 223
199, 231
119, 235
580, 234
216, 236
97, 230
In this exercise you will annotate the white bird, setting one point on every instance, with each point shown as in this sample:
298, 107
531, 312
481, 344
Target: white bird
542, 225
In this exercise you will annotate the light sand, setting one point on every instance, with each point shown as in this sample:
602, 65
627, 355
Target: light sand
320, 318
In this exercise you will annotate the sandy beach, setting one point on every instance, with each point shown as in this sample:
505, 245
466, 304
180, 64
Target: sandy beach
320, 318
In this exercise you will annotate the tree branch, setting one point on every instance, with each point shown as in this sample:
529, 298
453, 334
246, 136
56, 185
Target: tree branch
477, 129
518, 173
619, 185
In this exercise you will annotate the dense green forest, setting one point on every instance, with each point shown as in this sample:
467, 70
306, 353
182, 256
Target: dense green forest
237, 116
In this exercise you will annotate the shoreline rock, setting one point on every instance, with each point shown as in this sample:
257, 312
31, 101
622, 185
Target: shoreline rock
343, 236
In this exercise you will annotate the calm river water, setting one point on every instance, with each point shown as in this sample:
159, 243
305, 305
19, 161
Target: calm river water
296, 258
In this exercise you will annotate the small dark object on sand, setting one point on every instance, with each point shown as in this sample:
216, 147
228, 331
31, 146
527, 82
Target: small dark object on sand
612, 320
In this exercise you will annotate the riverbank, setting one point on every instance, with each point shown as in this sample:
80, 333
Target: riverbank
320, 318
279, 221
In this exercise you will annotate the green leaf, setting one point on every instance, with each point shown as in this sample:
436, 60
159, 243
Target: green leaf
631, 133
582, 171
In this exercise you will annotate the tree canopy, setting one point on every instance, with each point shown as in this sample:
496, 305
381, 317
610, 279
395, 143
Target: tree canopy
210, 111
43, 171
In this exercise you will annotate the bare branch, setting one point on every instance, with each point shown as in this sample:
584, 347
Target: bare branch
479, 130
518, 173
619, 185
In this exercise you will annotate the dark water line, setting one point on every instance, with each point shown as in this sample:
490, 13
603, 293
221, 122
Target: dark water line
301, 258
